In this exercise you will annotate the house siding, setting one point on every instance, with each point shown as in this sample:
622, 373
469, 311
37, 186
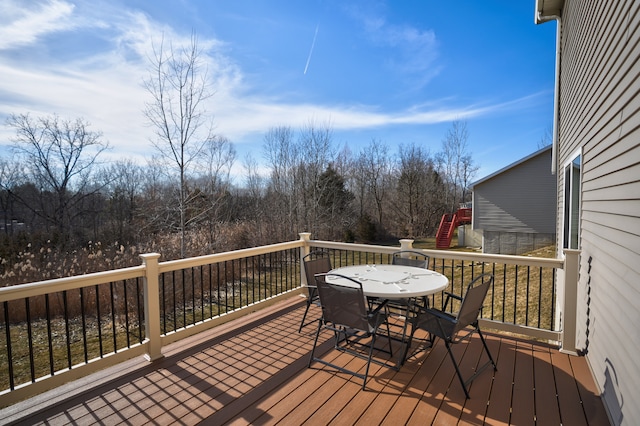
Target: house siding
515, 208
599, 116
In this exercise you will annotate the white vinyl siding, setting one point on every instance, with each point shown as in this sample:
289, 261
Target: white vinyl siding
600, 115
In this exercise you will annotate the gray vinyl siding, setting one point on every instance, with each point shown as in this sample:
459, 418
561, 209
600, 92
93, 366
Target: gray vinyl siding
600, 114
518, 200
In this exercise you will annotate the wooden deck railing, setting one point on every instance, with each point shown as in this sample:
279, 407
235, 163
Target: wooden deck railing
59, 330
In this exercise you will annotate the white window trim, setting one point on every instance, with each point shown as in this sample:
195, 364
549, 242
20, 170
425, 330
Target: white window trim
568, 163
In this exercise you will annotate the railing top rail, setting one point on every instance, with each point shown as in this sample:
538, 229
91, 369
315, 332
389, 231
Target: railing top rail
447, 254
173, 265
21, 291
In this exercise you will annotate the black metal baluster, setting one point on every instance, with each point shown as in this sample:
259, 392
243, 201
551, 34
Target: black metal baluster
276, 268
202, 293
526, 315
84, 326
504, 291
126, 313
66, 326
226, 287
32, 369
193, 295
233, 284
99, 318
113, 318
164, 303
218, 286
515, 295
253, 279
210, 290
239, 277
49, 334
175, 312
540, 298
140, 311
553, 300
493, 291
7, 330
184, 299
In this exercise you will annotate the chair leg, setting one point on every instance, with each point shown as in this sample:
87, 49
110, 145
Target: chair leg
388, 338
366, 368
315, 342
306, 310
486, 348
455, 364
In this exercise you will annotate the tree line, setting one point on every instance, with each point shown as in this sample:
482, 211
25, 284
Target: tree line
56, 187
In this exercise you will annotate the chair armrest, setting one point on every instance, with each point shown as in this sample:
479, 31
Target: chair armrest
438, 314
450, 296
455, 296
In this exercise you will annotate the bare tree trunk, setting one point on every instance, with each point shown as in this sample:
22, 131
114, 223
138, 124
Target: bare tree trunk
178, 86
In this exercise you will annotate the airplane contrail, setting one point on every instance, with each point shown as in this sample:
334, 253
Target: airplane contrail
313, 43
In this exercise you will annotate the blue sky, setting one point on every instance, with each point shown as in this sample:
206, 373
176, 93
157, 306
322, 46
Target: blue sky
397, 71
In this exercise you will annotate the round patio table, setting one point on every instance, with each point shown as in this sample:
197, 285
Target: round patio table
392, 281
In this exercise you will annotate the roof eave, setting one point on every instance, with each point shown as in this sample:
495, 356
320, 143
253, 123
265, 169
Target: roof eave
548, 9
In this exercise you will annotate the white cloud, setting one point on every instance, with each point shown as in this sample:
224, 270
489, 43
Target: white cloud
21, 24
410, 50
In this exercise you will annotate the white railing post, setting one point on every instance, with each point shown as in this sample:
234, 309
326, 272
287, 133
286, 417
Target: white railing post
152, 306
570, 301
304, 250
406, 244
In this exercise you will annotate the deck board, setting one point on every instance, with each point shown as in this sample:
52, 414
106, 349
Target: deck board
254, 371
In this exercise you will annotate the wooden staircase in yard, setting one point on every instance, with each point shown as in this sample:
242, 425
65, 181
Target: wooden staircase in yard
448, 224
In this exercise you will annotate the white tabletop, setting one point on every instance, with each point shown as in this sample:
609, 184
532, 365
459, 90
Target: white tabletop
393, 281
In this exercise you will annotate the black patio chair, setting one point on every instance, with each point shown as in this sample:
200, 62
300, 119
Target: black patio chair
316, 262
345, 312
451, 328
410, 258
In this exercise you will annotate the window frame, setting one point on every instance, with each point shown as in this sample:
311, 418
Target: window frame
572, 201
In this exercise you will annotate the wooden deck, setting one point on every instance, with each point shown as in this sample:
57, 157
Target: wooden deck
254, 371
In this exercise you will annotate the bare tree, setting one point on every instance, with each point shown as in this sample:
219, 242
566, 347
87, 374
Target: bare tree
123, 188
378, 167
316, 153
546, 139
419, 192
456, 163
215, 162
282, 156
10, 179
254, 194
61, 155
178, 87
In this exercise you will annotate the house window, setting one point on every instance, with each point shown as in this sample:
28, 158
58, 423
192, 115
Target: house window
571, 221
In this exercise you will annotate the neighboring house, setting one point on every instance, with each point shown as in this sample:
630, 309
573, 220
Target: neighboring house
596, 154
514, 208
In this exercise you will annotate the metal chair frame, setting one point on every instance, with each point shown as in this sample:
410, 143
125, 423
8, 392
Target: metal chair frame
448, 327
315, 262
345, 312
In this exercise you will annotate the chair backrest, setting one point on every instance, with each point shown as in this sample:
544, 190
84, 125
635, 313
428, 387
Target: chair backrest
343, 305
410, 258
316, 263
473, 300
